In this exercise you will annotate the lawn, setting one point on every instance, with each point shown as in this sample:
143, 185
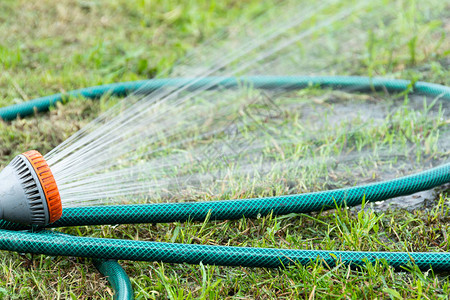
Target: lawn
48, 47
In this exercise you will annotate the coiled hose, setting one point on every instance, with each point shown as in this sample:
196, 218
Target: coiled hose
50, 244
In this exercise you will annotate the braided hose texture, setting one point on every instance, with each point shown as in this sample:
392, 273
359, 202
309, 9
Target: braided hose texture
51, 244
116, 277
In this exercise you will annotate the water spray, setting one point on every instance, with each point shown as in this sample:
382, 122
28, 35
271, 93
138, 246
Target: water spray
28, 191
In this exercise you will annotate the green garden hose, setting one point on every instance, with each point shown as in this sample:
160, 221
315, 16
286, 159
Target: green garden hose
49, 244
355, 83
117, 278
249, 208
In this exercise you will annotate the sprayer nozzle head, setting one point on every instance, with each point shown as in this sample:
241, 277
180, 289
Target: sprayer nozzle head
28, 191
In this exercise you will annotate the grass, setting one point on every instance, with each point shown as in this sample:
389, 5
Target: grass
84, 43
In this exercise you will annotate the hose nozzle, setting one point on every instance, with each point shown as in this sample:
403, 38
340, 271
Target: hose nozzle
28, 191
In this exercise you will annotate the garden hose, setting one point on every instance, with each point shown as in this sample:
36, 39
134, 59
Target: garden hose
44, 243
117, 278
355, 83
249, 208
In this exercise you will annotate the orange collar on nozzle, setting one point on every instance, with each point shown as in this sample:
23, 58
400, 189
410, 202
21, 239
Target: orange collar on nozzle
48, 184
28, 191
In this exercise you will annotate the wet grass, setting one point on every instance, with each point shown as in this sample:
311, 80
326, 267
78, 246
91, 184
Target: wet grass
84, 43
